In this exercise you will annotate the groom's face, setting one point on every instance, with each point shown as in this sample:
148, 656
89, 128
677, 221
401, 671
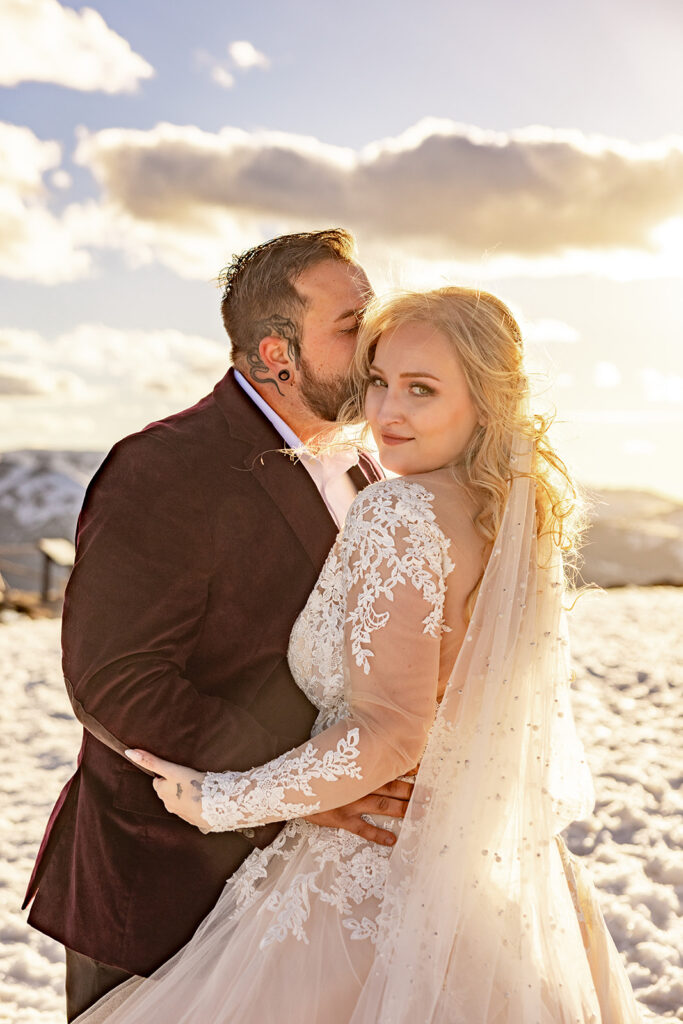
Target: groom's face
336, 294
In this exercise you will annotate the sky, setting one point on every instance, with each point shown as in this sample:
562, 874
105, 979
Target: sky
530, 149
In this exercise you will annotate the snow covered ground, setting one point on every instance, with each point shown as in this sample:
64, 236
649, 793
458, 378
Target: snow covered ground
628, 647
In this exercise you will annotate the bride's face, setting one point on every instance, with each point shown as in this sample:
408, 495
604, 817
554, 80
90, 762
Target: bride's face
418, 404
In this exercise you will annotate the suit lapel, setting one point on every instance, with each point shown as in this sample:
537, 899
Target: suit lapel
298, 499
286, 482
366, 472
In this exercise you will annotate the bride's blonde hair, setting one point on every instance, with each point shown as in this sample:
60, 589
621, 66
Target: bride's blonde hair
488, 343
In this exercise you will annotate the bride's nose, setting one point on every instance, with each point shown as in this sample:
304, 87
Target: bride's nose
390, 410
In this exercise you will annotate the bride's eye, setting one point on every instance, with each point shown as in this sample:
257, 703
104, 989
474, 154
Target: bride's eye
376, 382
422, 390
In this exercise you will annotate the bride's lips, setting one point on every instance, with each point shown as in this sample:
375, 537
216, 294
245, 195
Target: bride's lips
394, 439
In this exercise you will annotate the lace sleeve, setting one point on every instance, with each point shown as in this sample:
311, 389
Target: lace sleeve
394, 563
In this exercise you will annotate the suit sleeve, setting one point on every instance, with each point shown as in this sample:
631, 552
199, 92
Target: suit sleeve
394, 562
134, 608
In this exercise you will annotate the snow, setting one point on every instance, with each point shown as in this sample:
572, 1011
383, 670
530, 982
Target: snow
628, 652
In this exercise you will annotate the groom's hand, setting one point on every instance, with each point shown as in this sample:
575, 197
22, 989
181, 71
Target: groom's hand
391, 800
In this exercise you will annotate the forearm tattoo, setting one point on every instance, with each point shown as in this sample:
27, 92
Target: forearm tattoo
280, 327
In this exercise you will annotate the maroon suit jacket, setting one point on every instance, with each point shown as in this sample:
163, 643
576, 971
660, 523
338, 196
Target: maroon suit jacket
197, 546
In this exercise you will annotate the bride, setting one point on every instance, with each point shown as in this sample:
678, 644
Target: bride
434, 638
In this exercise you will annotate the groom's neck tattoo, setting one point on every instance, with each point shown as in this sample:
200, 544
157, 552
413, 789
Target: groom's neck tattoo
280, 327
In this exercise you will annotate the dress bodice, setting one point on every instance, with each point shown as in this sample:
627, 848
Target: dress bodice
316, 644
365, 556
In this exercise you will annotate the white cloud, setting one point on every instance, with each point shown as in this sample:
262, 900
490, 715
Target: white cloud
61, 179
606, 375
638, 446
42, 41
35, 379
98, 356
441, 202
90, 385
161, 360
662, 388
245, 55
222, 77
242, 56
36, 245
450, 195
196, 248
547, 331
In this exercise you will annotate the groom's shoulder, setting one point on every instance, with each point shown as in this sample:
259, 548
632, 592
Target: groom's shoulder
184, 445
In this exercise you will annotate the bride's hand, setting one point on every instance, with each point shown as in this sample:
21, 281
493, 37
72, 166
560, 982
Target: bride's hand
178, 787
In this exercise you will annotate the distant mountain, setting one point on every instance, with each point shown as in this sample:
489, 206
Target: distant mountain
634, 537
41, 493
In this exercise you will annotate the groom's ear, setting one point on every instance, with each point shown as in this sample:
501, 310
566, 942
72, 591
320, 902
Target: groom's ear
273, 353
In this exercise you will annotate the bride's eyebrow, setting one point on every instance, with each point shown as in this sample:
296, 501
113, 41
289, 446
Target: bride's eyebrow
413, 373
419, 373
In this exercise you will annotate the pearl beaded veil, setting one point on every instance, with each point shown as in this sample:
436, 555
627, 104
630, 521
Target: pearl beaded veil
477, 923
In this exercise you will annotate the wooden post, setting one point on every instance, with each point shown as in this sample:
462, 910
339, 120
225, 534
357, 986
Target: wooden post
45, 579
55, 551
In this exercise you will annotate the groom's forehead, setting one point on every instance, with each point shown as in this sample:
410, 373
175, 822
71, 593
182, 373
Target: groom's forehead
334, 287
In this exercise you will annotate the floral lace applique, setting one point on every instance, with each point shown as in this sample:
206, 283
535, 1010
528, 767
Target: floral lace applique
316, 641
373, 560
349, 874
231, 800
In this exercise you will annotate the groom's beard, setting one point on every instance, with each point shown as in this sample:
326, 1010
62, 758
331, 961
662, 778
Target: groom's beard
324, 398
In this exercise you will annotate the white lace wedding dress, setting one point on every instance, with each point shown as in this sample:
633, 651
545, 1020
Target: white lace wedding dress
294, 936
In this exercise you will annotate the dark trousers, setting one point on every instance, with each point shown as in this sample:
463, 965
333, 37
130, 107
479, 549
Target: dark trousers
87, 981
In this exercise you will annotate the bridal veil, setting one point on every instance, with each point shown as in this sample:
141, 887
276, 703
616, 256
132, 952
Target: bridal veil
486, 917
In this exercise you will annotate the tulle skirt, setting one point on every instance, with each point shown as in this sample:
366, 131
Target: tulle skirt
291, 939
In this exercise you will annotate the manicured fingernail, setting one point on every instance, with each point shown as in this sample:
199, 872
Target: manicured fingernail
133, 755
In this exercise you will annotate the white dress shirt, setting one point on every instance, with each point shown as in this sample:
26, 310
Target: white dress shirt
329, 471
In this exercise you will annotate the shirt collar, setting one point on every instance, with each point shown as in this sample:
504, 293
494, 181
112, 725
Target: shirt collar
285, 431
322, 468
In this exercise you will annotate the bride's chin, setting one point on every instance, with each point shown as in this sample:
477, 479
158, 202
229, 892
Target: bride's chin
393, 463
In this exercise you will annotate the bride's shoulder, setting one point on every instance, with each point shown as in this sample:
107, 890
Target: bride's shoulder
433, 509
437, 500
398, 494
431, 493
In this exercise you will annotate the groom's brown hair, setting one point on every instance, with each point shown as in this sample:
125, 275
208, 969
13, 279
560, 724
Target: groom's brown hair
259, 296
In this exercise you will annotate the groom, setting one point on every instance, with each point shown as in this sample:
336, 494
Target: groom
198, 544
